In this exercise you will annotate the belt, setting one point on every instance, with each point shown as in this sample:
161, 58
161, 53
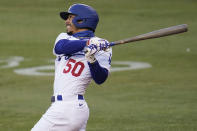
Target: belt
60, 98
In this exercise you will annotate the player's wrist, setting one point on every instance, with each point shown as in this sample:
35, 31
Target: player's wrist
91, 59
88, 42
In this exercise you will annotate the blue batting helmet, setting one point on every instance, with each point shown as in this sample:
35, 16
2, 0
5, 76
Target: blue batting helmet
87, 16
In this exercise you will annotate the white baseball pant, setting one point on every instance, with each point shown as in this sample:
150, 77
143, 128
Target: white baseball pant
64, 116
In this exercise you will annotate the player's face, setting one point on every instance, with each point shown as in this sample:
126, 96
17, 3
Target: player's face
70, 27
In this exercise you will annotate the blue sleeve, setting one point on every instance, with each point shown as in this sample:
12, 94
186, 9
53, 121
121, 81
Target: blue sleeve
98, 73
68, 47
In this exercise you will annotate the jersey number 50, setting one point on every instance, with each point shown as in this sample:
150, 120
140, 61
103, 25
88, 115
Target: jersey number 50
76, 68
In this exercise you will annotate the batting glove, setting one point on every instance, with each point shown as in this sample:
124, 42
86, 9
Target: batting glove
100, 44
89, 53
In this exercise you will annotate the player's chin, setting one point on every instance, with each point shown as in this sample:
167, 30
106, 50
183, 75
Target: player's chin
69, 32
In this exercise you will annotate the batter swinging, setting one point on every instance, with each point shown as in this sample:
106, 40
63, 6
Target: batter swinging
81, 57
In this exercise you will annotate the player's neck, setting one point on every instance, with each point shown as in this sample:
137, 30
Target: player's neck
80, 30
84, 34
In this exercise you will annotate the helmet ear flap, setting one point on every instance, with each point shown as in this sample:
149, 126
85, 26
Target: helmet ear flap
80, 22
76, 21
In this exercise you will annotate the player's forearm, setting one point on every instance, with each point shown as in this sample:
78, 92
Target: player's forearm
98, 73
69, 46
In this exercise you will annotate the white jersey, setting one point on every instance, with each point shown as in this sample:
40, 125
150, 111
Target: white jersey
72, 74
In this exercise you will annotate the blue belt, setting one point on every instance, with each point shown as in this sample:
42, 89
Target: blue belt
60, 98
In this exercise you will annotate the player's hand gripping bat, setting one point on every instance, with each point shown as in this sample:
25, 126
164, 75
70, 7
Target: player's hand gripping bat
154, 34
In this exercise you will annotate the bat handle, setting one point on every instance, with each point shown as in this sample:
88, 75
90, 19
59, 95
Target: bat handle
112, 44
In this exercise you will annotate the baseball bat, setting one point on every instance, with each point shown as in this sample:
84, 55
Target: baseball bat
154, 34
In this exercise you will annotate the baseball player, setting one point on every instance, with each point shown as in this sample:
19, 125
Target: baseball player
81, 57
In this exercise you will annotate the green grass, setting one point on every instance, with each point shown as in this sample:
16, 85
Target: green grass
161, 98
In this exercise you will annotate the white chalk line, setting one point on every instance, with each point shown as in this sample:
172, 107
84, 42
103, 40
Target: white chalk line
130, 65
11, 62
39, 70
